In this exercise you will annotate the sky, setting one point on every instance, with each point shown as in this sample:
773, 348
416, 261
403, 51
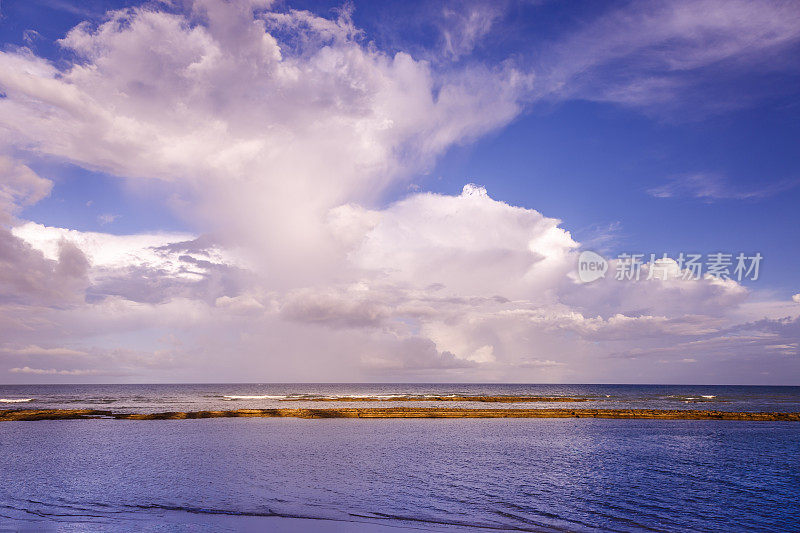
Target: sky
258, 191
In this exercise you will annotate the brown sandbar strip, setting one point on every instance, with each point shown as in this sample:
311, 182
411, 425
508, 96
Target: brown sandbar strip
496, 399
403, 412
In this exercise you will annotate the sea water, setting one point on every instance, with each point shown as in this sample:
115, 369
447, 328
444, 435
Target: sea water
195, 397
287, 474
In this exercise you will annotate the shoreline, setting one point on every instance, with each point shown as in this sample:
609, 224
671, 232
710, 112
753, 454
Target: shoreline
25, 415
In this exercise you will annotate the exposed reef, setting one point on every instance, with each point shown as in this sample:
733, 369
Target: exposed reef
401, 412
495, 399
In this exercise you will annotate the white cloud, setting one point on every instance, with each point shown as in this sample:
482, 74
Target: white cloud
450, 287
298, 130
430, 239
33, 349
278, 151
147, 267
28, 277
545, 363
53, 371
105, 250
19, 186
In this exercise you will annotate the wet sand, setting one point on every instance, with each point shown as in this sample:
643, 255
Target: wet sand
400, 412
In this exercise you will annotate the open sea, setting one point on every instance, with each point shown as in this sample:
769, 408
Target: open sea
289, 474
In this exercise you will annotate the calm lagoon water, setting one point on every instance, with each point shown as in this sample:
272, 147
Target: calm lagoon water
392, 474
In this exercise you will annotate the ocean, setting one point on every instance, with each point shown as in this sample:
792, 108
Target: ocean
196, 397
286, 474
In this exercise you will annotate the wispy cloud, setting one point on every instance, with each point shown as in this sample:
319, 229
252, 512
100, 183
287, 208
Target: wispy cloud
464, 24
599, 237
650, 54
106, 218
83, 8
711, 187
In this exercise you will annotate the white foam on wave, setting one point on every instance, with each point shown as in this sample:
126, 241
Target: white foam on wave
348, 396
15, 400
258, 397
709, 396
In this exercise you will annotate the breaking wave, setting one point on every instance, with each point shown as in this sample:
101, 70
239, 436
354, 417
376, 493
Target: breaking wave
233, 397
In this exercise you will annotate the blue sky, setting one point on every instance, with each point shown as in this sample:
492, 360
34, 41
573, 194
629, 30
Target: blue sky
637, 127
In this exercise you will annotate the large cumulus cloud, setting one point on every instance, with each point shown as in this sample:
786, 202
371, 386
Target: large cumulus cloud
279, 134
